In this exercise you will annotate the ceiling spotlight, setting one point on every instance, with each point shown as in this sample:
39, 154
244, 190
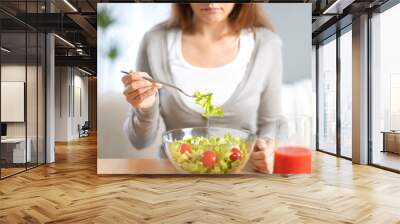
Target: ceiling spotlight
337, 7
65, 41
79, 51
70, 5
84, 71
5, 50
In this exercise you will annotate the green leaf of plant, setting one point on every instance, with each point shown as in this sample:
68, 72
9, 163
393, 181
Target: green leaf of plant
113, 53
104, 20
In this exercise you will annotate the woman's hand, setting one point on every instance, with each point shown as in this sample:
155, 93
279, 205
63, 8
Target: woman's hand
263, 156
140, 93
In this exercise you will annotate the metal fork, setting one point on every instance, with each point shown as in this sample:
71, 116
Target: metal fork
167, 84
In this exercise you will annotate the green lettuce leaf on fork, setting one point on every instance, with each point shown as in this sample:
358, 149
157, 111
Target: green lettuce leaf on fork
204, 101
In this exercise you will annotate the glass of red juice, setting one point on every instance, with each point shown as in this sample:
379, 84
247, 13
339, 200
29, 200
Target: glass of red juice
293, 141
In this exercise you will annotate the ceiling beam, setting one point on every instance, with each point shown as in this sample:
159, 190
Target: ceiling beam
49, 22
84, 24
337, 7
81, 61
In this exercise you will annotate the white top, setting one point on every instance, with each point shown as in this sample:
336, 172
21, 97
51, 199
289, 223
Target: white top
221, 81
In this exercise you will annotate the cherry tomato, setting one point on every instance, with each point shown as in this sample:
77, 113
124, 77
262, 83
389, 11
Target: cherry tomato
235, 149
185, 148
235, 156
209, 159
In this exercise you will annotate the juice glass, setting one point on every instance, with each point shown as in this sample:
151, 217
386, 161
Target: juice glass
293, 139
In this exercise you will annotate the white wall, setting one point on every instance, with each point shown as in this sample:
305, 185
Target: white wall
17, 73
68, 83
292, 21
81, 84
61, 103
12, 100
296, 34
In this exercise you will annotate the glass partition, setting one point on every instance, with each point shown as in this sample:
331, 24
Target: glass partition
41, 107
385, 89
346, 94
32, 96
22, 77
327, 96
13, 105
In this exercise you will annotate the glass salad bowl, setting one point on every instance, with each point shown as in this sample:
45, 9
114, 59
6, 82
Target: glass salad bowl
211, 150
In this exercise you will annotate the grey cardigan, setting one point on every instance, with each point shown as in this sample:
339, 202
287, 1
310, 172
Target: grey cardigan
255, 105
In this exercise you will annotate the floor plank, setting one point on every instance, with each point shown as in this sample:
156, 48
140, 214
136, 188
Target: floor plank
70, 191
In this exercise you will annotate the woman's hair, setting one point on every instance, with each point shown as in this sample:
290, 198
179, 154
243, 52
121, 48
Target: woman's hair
243, 15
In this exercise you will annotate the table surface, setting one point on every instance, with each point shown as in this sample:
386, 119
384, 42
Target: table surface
391, 132
148, 166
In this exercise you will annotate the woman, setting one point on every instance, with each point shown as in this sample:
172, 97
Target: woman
226, 48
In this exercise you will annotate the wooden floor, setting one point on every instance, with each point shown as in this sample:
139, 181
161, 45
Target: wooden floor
69, 191
387, 159
10, 171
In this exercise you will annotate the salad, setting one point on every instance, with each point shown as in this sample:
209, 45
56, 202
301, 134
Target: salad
211, 155
204, 101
